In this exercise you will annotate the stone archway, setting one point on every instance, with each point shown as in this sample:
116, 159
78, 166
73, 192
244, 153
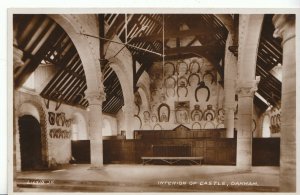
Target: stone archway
87, 47
36, 110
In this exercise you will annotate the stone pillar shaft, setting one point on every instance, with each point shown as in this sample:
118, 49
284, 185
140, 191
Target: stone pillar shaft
246, 92
128, 119
230, 75
95, 128
285, 28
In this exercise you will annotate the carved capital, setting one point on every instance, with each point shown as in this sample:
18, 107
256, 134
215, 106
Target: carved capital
284, 26
247, 88
95, 98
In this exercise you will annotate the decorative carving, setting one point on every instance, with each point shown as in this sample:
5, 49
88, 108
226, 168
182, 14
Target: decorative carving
95, 98
196, 114
182, 112
202, 86
51, 118
164, 112
247, 88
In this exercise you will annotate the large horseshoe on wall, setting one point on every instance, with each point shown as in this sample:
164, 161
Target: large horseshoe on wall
202, 85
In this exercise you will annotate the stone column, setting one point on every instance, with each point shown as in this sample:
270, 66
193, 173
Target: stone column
95, 127
249, 35
285, 28
128, 111
245, 90
230, 75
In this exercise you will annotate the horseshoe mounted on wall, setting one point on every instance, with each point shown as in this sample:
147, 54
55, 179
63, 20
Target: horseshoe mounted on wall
178, 65
182, 81
174, 82
193, 74
139, 120
51, 118
212, 77
195, 112
180, 87
173, 66
202, 85
196, 123
191, 66
167, 94
159, 108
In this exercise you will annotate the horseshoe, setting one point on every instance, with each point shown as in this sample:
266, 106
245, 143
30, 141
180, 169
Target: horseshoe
212, 77
186, 90
193, 117
182, 78
174, 69
174, 81
202, 85
158, 109
173, 92
179, 63
193, 74
139, 120
191, 66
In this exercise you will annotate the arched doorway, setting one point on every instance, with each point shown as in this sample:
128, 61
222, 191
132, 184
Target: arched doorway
30, 143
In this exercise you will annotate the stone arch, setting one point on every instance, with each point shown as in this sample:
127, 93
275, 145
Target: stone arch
79, 127
121, 72
37, 111
87, 47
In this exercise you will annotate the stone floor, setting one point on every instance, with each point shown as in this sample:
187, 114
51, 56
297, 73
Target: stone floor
149, 178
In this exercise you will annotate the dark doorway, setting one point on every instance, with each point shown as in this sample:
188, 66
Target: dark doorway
30, 143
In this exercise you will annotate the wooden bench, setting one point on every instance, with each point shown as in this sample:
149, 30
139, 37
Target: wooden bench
172, 160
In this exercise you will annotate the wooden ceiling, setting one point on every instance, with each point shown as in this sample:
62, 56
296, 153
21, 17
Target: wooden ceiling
269, 56
147, 37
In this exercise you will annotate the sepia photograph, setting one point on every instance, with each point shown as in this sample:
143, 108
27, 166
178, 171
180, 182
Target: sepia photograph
129, 100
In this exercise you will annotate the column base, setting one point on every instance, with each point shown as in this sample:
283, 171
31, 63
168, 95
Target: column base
243, 169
